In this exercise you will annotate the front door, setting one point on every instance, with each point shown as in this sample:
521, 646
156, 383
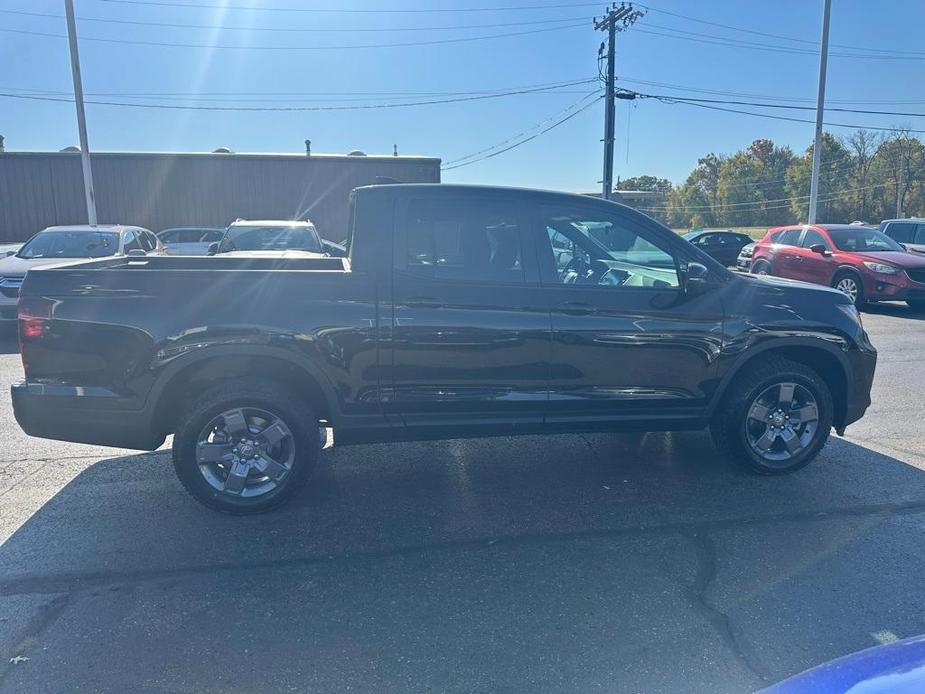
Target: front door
811, 266
627, 340
470, 335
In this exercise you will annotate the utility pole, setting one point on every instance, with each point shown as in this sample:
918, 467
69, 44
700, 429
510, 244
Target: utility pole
617, 19
81, 117
820, 106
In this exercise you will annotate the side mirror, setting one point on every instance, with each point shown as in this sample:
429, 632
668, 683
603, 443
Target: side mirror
213, 248
9, 253
819, 248
696, 278
135, 253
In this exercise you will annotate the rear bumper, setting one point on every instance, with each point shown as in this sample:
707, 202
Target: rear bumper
70, 414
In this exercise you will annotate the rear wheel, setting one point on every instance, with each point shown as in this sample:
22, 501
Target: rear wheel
776, 417
849, 284
245, 446
761, 267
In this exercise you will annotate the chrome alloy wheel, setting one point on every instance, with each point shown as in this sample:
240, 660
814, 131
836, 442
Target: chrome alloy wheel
849, 287
781, 422
245, 452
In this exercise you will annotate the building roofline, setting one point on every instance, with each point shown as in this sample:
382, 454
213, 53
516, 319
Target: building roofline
245, 155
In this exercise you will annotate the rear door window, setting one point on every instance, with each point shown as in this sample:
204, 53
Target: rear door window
813, 238
789, 237
470, 243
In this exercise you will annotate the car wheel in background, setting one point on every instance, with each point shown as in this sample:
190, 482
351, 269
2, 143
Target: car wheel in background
849, 283
775, 418
245, 446
761, 267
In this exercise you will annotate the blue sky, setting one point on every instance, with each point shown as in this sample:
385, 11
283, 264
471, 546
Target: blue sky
652, 137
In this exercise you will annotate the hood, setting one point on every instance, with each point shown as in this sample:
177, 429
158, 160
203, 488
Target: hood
898, 258
784, 283
15, 266
272, 254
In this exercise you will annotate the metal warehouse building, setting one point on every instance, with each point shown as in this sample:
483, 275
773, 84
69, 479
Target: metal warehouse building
160, 190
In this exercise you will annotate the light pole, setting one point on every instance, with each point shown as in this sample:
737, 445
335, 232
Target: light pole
81, 117
820, 106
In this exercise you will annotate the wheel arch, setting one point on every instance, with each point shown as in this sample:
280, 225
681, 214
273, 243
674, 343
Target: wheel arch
826, 360
187, 377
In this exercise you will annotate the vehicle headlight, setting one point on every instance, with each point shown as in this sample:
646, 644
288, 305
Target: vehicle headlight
881, 268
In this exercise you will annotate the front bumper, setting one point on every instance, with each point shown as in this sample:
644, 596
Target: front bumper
895, 287
743, 264
73, 414
862, 366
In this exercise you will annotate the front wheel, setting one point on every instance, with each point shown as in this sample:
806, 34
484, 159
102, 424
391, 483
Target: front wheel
850, 285
245, 446
776, 417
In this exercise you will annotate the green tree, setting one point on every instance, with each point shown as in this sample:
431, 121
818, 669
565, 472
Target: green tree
835, 196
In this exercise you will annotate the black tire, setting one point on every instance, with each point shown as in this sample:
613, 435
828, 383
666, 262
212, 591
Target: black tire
730, 423
761, 267
267, 396
916, 304
842, 275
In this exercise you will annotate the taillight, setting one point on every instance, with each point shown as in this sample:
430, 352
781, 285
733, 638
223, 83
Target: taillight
34, 315
32, 327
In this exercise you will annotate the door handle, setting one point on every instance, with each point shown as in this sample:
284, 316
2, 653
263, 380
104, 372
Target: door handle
424, 302
576, 308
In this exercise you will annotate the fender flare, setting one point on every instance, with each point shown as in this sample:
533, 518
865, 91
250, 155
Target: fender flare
209, 352
753, 352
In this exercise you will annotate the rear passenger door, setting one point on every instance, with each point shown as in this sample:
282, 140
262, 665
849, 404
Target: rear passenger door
784, 253
469, 335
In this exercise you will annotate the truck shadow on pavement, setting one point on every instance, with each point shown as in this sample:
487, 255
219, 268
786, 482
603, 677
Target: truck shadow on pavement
557, 564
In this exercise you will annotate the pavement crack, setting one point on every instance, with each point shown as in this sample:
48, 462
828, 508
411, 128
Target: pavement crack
698, 593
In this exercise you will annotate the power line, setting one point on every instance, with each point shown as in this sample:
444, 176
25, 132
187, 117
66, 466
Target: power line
749, 45
522, 133
357, 107
553, 88
175, 25
766, 35
675, 100
326, 10
527, 139
790, 106
403, 44
760, 203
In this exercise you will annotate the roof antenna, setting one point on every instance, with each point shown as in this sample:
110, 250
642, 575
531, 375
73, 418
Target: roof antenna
394, 150
308, 148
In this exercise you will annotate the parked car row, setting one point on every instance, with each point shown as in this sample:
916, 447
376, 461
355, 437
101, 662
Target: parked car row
63, 243
862, 262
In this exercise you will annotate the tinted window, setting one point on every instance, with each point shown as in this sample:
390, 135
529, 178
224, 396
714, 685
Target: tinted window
210, 236
901, 232
790, 237
462, 243
813, 237
593, 249
863, 241
919, 236
276, 238
71, 244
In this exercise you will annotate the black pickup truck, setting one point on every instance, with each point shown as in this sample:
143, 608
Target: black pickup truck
459, 311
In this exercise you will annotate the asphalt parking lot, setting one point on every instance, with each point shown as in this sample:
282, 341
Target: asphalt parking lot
610, 563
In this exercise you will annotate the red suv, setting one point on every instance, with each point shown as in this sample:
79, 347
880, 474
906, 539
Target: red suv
863, 262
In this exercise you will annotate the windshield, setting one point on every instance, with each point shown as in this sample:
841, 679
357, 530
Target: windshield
71, 244
258, 238
863, 241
